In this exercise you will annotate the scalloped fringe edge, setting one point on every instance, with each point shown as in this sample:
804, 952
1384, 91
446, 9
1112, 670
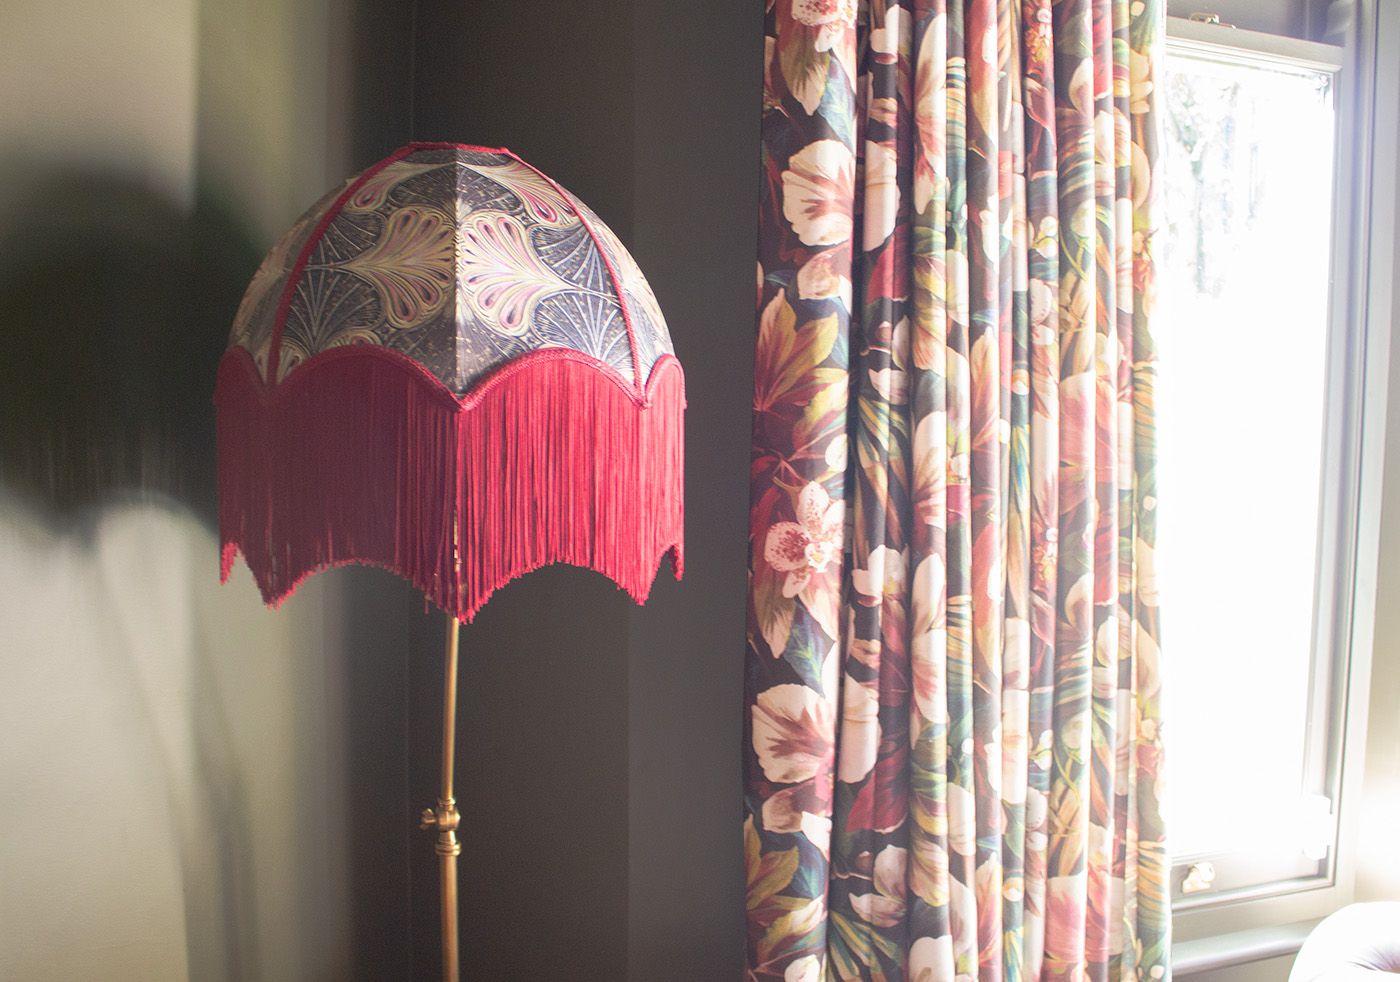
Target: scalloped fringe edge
365, 458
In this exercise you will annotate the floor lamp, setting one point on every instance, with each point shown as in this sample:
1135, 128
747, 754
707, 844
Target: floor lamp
451, 368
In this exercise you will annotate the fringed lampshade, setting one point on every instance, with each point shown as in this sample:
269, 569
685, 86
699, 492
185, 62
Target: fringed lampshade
450, 368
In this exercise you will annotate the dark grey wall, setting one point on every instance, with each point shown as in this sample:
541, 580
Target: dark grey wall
600, 749
698, 75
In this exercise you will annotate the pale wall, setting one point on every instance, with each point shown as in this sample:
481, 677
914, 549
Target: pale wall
173, 754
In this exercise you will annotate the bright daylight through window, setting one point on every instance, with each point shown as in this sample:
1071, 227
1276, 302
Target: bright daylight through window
1244, 338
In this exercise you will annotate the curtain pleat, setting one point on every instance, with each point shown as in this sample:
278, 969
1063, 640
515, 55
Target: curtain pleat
952, 737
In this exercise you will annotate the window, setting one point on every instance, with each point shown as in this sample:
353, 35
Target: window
1253, 546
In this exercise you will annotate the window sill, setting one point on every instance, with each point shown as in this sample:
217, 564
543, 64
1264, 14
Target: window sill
1238, 948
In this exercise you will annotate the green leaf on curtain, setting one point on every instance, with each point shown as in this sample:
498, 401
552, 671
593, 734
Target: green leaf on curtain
770, 875
774, 611
804, 68
794, 932
786, 355
806, 658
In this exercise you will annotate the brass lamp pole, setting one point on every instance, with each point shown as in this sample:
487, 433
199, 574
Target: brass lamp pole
445, 818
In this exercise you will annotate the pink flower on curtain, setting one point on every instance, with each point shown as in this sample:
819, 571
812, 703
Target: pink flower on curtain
810, 545
829, 17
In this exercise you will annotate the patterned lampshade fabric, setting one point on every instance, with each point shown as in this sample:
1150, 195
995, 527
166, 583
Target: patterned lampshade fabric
461, 258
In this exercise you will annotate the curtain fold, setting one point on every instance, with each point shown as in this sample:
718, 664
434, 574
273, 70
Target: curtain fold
953, 745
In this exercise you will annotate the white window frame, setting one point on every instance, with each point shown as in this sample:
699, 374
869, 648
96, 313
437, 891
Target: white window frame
1232, 876
1229, 926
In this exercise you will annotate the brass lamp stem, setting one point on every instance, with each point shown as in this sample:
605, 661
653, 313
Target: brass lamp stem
449, 707
445, 818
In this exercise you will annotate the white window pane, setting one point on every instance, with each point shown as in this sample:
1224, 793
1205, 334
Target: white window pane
1242, 335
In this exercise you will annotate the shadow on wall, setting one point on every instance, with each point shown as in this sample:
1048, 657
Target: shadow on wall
178, 802
128, 803
115, 308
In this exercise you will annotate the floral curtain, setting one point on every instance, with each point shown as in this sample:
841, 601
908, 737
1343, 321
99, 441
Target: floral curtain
953, 739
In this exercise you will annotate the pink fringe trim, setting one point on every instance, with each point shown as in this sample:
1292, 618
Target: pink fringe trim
362, 456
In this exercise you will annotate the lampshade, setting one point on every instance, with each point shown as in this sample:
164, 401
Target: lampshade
451, 368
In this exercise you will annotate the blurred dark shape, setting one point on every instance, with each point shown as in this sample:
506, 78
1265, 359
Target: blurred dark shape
114, 309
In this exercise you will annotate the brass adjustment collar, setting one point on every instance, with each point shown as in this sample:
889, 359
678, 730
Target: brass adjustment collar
445, 819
